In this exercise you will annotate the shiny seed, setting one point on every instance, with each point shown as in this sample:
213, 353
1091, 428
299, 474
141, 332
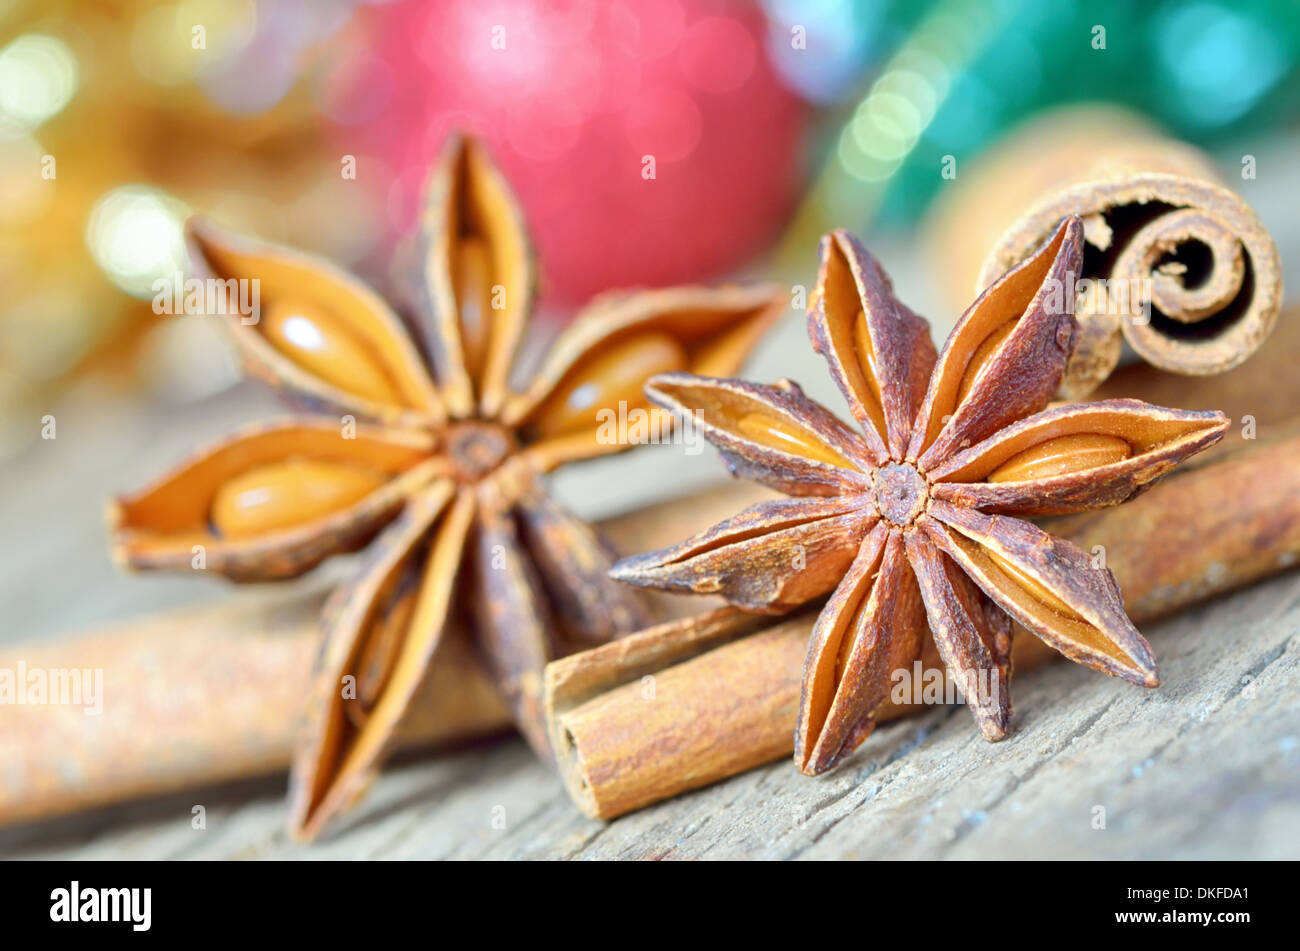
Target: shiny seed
982, 356
865, 351
284, 494
327, 347
1061, 456
473, 280
777, 434
379, 656
616, 374
1031, 587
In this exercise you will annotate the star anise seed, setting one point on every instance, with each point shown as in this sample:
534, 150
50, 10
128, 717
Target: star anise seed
919, 515
416, 437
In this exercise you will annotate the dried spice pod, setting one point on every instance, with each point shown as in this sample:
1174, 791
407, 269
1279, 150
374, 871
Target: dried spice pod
1175, 264
340, 752
322, 337
923, 520
572, 560
171, 523
745, 558
1033, 467
728, 684
1196, 536
431, 440
618, 342
472, 246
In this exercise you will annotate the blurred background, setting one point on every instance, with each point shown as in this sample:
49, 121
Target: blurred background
769, 122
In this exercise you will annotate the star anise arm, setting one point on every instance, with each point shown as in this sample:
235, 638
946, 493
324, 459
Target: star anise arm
511, 618
1075, 457
771, 557
476, 278
587, 398
879, 351
573, 562
771, 434
1047, 584
377, 623
1007, 353
272, 500
320, 336
973, 637
871, 627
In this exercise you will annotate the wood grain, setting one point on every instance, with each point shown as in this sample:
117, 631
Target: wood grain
627, 734
1208, 766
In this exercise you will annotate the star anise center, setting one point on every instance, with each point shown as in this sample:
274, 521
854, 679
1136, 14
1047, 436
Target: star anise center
477, 448
901, 492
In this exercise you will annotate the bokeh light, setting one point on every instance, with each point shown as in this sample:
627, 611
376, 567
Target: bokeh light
38, 76
135, 235
838, 39
24, 194
1221, 60
173, 43
902, 102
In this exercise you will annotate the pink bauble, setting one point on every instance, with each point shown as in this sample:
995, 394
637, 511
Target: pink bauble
650, 141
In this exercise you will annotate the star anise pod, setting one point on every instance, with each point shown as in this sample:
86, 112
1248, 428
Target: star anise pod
428, 434
920, 515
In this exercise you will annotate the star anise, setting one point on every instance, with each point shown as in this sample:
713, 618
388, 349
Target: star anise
920, 514
426, 433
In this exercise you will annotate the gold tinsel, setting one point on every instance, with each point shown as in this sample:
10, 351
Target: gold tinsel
109, 133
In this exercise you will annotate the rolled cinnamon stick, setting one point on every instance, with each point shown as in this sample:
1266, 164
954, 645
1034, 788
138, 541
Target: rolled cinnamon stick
1263, 392
1181, 267
196, 696
697, 700
212, 694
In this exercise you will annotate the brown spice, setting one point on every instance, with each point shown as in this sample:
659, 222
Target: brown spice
1196, 535
907, 521
432, 454
1159, 227
199, 696
694, 701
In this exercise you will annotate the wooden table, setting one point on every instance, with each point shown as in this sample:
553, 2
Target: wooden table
1206, 766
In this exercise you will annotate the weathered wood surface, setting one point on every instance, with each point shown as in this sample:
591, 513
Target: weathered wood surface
1206, 766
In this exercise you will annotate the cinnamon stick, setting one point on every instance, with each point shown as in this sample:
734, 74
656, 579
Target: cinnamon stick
697, 700
1263, 391
191, 697
206, 695
1160, 227
213, 694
